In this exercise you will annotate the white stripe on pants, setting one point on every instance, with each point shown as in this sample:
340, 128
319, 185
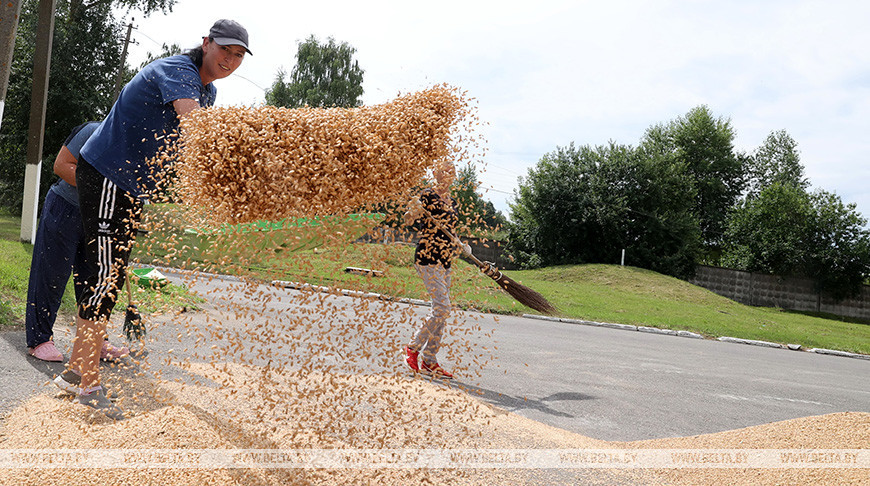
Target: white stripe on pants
106, 282
427, 339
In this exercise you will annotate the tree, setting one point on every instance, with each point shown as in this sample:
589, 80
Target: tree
325, 75
280, 94
786, 231
838, 245
147, 7
85, 59
766, 233
474, 211
777, 160
586, 205
704, 145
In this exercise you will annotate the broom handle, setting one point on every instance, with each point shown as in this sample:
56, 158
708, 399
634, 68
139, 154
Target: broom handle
494, 273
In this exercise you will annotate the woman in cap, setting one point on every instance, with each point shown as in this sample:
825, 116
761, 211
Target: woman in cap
114, 177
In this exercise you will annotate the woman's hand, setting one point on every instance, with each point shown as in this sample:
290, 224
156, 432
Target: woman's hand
414, 212
466, 249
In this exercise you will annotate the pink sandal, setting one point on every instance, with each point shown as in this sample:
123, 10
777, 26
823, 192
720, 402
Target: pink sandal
112, 353
46, 351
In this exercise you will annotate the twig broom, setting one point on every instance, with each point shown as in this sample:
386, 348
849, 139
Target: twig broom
522, 294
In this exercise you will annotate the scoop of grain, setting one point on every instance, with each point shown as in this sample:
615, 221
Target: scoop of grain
247, 164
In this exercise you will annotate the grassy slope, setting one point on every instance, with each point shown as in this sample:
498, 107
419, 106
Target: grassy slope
635, 296
603, 293
15, 257
627, 295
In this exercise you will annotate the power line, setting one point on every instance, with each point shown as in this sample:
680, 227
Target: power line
149, 38
248, 80
491, 189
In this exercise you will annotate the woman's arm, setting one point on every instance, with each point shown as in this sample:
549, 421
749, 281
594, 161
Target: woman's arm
184, 106
65, 165
414, 212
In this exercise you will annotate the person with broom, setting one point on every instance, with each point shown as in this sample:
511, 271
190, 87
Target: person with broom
437, 213
56, 254
114, 176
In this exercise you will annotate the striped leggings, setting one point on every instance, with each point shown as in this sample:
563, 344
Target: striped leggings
427, 338
109, 220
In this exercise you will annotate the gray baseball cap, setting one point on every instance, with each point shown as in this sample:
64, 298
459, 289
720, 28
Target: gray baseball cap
229, 33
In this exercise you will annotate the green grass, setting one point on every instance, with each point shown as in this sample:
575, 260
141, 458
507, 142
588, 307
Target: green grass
629, 295
15, 257
604, 293
14, 271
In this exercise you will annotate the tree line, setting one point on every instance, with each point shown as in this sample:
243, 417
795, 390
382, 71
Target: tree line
681, 197
87, 51
85, 61
684, 196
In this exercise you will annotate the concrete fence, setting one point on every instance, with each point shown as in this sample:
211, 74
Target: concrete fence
756, 289
791, 293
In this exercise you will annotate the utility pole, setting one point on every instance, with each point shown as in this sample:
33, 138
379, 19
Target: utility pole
39, 98
120, 75
9, 16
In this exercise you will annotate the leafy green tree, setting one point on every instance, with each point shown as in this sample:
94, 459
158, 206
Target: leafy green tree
586, 205
767, 233
147, 7
280, 94
474, 211
838, 245
704, 146
550, 203
325, 75
777, 160
786, 231
85, 59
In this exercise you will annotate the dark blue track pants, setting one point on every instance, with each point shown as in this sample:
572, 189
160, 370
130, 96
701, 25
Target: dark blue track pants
56, 252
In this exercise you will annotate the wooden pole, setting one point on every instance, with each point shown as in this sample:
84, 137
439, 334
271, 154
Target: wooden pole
39, 100
10, 12
120, 76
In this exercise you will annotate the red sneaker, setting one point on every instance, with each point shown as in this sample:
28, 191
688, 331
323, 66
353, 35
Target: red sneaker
411, 358
437, 371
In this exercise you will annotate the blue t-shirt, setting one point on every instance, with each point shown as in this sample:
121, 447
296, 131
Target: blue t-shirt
74, 142
140, 120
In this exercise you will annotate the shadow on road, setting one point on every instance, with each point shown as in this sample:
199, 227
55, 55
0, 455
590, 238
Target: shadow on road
18, 346
567, 396
513, 404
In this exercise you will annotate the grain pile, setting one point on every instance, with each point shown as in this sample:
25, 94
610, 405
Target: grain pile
208, 417
241, 374
248, 164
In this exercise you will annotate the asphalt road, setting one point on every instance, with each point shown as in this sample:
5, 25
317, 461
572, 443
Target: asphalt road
625, 385
603, 383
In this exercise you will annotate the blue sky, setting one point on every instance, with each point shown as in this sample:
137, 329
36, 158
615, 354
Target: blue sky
549, 73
